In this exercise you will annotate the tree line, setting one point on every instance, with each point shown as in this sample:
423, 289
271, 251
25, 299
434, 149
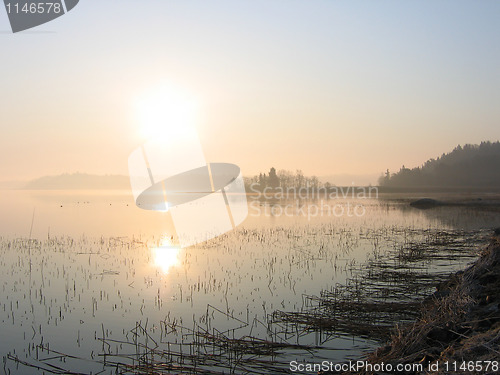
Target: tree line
285, 179
467, 166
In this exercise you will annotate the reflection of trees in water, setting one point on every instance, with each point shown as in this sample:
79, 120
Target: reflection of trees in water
462, 218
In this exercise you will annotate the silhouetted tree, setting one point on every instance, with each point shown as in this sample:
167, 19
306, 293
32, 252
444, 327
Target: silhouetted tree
299, 179
273, 180
286, 178
262, 180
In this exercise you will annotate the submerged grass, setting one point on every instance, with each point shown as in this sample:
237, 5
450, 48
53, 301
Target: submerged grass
387, 288
459, 323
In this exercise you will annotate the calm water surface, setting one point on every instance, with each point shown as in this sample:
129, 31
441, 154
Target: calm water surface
79, 266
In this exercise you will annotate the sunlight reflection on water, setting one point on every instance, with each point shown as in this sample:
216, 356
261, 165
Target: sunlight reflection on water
95, 266
165, 257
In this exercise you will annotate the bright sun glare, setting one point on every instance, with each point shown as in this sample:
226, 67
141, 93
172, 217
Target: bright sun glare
165, 257
166, 112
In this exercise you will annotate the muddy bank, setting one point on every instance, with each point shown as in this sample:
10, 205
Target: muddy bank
459, 323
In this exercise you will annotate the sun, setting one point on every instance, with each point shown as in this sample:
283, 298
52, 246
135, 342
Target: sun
166, 112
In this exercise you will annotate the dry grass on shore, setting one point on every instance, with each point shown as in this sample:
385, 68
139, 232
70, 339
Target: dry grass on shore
459, 322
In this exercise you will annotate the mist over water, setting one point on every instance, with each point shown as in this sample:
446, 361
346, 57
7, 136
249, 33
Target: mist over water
77, 267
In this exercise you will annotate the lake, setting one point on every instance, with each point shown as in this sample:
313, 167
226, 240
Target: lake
92, 284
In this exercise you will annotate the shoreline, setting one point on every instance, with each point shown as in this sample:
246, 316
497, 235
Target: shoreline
459, 324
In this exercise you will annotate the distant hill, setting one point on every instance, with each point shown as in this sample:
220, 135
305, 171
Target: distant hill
476, 166
79, 181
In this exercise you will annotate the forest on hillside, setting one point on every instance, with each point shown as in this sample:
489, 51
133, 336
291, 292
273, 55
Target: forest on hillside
467, 166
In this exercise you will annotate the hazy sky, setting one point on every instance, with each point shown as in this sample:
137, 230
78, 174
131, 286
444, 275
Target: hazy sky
326, 86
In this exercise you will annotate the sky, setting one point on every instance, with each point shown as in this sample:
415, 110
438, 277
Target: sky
329, 87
